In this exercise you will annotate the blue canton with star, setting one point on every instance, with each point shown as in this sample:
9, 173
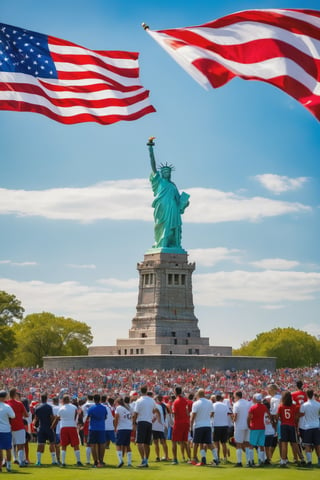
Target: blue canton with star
23, 51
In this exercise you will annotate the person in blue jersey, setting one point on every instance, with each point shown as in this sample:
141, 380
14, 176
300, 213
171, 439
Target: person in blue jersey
97, 438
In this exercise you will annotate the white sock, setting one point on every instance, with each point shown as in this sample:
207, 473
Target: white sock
88, 454
119, 455
39, 457
77, 454
215, 453
202, 453
247, 454
239, 455
63, 456
20, 456
309, 456
54, 457
129, 457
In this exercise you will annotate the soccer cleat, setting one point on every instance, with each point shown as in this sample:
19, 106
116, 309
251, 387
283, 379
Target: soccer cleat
238, 464
120, 465
38, 464
174, 462
79, 464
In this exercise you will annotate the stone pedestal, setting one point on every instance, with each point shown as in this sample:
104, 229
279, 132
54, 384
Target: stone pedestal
165, 323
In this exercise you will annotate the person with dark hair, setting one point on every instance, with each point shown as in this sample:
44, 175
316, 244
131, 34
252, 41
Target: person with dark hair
67, 413
17, 425
299, 397
6, 416
97, 415
270, 442
310, 410
144, 410
123, 429
221, 413
56, 426
85, 407
158, 426
288, 414
180, 409
43, 419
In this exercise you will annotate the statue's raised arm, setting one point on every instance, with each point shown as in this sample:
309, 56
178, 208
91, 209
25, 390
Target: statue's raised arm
168, 204
152, 159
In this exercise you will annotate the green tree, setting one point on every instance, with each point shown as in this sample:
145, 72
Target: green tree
10, 310
292, 348
42, 334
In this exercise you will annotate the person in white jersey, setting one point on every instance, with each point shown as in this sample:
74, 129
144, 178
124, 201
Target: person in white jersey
123, 429
6, 414
240, 411
310, 410
200, 421
67, 414
144, 409
221, 413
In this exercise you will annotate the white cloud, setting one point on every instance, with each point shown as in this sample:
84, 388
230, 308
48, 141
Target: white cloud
280, 183
211, 256
131, 200
275, 264
18, 264
269, 287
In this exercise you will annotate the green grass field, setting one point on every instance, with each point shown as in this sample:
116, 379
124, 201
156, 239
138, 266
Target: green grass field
156, 471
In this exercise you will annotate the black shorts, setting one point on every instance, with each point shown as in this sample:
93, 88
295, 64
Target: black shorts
288, 433
220, 434
202, 435
144, 433
156, 435
311, 436
44, 435
270, 441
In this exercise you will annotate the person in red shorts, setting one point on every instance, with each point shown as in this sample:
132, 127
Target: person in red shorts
288, 414
67, 413
181, 426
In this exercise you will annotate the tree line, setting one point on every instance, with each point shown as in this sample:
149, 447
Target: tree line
25, 340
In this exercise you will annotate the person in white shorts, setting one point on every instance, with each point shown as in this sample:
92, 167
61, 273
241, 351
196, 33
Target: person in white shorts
241, 431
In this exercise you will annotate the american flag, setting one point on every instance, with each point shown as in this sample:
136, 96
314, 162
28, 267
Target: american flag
280, 47
67, 82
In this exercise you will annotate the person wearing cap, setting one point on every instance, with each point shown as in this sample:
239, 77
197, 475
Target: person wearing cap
6, 415
256, 423
17, 425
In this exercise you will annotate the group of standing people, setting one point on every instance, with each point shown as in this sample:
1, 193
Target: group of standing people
197, 424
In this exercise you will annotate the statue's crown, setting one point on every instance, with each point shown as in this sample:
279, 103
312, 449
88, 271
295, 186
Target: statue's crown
166, 166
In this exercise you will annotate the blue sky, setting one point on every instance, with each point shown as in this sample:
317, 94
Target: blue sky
75, 203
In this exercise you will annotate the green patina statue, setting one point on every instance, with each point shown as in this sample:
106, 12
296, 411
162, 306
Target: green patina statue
168, 205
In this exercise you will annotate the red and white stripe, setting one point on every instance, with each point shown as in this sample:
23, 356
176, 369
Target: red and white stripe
97, 86
280, 47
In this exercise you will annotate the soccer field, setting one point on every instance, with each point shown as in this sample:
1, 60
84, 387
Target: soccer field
157, 470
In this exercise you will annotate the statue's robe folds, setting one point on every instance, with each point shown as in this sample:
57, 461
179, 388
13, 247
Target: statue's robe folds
167, 212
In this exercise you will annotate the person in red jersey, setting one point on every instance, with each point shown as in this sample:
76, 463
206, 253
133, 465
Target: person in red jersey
288, 414
17, 425
181, 425
299, 397
256, 423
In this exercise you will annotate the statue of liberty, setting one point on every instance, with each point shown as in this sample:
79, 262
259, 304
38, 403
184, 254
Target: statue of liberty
168, 204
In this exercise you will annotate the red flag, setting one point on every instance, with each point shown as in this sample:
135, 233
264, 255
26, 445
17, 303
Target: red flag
281, 47
67, 82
